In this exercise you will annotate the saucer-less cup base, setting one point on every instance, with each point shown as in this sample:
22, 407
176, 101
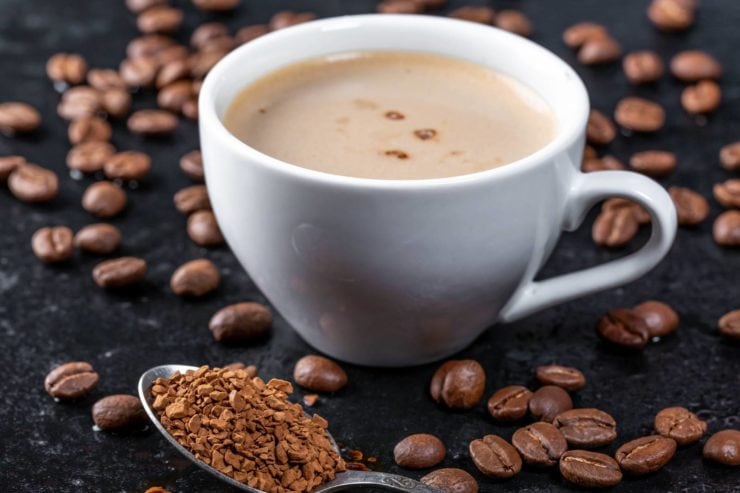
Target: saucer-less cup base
395, 273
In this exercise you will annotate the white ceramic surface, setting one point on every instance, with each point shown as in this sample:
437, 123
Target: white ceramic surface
394, 273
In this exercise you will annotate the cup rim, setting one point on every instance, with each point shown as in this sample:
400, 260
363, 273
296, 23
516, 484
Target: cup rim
209, 121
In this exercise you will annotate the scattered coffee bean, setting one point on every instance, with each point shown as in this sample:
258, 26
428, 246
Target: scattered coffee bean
203, 229
119, 272
203, 61
8, 164
458, 384
603, 163
724, 448
71, 380
152, 122
695, 65
639, 114
118, 411
160, 19
104, 199
539, 444
614, 227
192, 199
671, 15
509, 403
241, 322
89, 157
68, 68
579, 34
660, 318
625, 328
495, 457
138, 6
195, 278
643, 67
79, 102
18, 118
148, 45
53, 244
645, 455
249, 33
32, 183
704, 97
175, 95
419, 451
190, 108
598, 51
216, 5
116, 102
127, 165
729, 324
89, 129
728, 193
320, 374
207, 33
691, 207
287, 18
642, 215
432, 4
589, 152
515, 22
725, 231
586, 427
680, 424
104, 79
99, 239
566, 377
139, 71
400, 7
451, 480
172, 72
600, 129
474, 13
192, 164
250, 370
729, 156
653, 163
549, 401
589, 469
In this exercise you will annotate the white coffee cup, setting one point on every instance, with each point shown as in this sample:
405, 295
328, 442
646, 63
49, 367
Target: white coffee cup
403, 272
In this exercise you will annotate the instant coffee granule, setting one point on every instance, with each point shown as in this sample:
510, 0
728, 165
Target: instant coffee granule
247, 429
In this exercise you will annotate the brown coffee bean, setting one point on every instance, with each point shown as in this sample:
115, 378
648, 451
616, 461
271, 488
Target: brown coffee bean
515, 22
539, 444
458, 384
287, 18
191, 199
728, 193
549, 401
68, 68
159, 19
18, 118
680, 424
127, 165
724, 448
729, 156
474, 13
660, 318
138, 6
32, 183
509, 403
725, 231
600, 50
100, 239
119, 272
639, 114
586, 427
249, 33
71, 380
89, 157
653, 163
641, 215
589, 469
319, 374
566, 377
104, 199
695, 65
400, 7
241, 322
116, 102
645, 455
148, 45
671, 15
451, 480
104, 79
419, 451
203, 61
432, 4
139, 71
600, 129
589, 152
118, 411
495, 457
208, 32
8, 164
614, 227
601, 164
79, 102
250, 370
216, 5
175, 95
691, 207
89, 129
643, 67
190, 108
152, 122
624, 328
52, 245
172, 72
704, 97
729, 324
195, 278
192, 164
203, 229
578, 34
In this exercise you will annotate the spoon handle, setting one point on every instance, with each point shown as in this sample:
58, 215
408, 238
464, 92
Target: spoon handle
392, 482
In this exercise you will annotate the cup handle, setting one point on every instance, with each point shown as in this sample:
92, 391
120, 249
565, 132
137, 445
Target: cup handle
587, 190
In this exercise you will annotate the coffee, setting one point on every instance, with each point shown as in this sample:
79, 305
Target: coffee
391, 115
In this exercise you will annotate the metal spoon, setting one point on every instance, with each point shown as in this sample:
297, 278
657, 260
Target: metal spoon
344, 480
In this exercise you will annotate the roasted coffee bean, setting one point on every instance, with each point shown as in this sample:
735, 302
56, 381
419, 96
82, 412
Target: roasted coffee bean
195, 278
152, 122
191, 199
400, 7
589, 469
118, 411
32, 183
566, 377
104, 199
603, 163
203, 229
589, 152
729, 156
600, 129
680, 424
175, 95
71, 380
138, 6
432, 4
172, 72
643, 67
192, 164
241, 322
89, 157
639, 114
53, 244
474, 13
249, 33
172, 53
320, 374
600, 50
728, 193
701, 98
549, 401
287, 18
691, 207
586, 427
419, 451
250, 370
216, 5
725, 231
8, 164
695, 65
89, 129
458, 384
509, 403
614, 227
148, 45
119, 272
68, 68
624, 327
159, 19
104, 79
139, 71
18, 118
203, 61
671, 15
116, 102
127, 165
660, 318
645, 454
100, 239
729, 324
724, 448
642, 215
190, 108
653, 163
495, 457
539, 444
515, 22
207, 33
451, 480
578, 34
79, 102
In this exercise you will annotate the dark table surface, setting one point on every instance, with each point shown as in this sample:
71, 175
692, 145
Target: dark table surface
49, 315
